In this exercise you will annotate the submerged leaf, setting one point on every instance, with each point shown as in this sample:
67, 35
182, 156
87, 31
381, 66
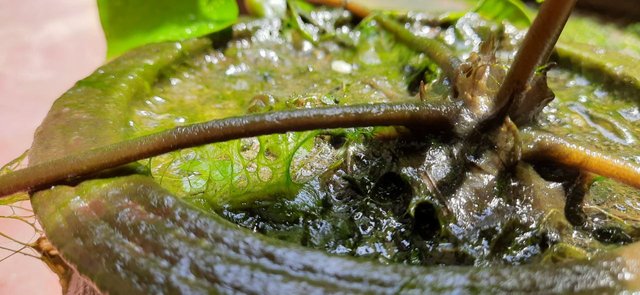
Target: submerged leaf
267, 74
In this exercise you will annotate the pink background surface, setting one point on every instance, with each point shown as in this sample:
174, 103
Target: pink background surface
46, 45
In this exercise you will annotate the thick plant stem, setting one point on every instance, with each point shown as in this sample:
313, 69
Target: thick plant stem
435, 118
540, 146
547, 147
534, 52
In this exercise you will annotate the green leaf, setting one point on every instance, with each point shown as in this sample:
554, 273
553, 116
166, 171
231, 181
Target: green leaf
264, 75
602, 51
510, 10
129, 24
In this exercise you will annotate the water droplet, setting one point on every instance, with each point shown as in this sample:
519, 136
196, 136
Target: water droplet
341, 66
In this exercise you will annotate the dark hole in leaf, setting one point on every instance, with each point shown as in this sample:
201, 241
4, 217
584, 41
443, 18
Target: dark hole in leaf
546, 241
337, 141
426, 223
391, 189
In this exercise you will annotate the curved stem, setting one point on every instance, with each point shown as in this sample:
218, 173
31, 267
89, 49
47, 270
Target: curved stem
545, 146
439, 53
434, 118
534, 51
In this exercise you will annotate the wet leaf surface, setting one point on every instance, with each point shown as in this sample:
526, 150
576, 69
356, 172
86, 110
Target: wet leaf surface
385, 193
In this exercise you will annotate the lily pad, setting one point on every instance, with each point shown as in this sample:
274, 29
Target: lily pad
385, 193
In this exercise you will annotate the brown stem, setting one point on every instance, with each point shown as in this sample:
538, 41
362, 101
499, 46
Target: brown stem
534, 51
434, 118
548, 147
541, 146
